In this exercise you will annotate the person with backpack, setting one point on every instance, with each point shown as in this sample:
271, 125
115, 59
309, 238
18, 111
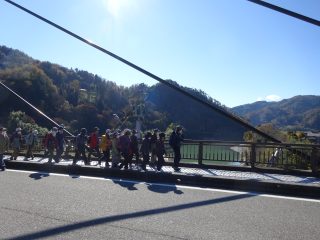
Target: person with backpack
4, 146
93, 142
16, 142
80, 147
160, 150
175, 142
105, 146
31, 140
51, 143
145, 150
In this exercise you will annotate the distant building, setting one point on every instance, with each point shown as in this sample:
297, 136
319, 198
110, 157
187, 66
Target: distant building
313, 137
87, 96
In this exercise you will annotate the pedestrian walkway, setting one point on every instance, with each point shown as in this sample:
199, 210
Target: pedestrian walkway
188, 171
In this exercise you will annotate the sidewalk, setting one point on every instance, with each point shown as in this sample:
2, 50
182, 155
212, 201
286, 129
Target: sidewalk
306, 186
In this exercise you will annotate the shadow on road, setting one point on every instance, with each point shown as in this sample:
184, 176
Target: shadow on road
126, 184
38, 176
164, 189
109, 219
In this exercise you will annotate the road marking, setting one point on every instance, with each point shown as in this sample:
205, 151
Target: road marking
172, 185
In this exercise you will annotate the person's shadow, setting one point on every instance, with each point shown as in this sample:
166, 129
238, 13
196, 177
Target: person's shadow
164, 189
128, 185
38, 176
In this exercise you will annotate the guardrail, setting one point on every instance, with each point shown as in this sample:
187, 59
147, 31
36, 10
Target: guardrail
278, 155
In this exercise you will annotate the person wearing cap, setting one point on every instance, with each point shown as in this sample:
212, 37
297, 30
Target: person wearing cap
105, 146
145, 150
51, 143
134, 145
31, 140
80, 147
160, 150
4, 146
16, 142
94, 144
153, 140
175, 142
60, 144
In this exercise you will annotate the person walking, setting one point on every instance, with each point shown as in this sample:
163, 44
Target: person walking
115, 150
175, 142
60, 144
124, 145
94, 144
4, 146
145, 150
31, 140
153, 140
16, 142
80, 147
134, 147
105, 146
160, 150
51, 143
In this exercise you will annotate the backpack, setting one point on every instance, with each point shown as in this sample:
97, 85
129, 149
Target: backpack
172, 139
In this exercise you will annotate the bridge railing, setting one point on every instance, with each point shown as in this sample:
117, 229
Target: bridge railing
284, 155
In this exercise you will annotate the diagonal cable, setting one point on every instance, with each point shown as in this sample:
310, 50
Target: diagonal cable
287, 12
33, 107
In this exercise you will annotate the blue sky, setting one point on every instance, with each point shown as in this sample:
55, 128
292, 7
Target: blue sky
234, 50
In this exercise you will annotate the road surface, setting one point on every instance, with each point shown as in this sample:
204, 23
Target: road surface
53, 206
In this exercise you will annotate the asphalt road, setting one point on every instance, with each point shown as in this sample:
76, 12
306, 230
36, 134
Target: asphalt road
42, 206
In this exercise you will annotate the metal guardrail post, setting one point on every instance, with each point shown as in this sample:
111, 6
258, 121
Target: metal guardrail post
314, 160
253, 155
200, 153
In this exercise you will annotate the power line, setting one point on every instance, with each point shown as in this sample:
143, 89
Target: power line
178, 89
33, 107
287, 12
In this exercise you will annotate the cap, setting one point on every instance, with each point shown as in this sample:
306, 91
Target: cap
96, 129
18, 129
55, 129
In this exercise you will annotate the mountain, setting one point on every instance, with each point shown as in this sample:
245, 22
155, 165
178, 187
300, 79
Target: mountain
296, 113
79, 99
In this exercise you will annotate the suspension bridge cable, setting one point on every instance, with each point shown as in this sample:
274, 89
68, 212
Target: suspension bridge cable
287, 12
33, 107
178, 89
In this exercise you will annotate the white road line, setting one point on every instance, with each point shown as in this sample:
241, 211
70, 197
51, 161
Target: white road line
172, 185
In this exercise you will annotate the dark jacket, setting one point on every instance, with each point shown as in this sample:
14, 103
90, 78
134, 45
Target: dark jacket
160, 149
134, 143
145, 146
175, 140
81, 141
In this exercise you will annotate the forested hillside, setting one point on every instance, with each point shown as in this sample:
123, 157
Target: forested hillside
297, 113
78, 99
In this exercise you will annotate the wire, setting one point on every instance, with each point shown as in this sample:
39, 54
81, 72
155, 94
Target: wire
287, 12
178, 89
28, 103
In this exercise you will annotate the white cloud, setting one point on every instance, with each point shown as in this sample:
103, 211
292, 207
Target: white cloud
270, 98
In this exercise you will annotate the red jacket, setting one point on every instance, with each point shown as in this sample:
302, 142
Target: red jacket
93, 140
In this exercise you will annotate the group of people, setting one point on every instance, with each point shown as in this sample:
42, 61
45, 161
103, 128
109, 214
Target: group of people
15, 141
114, 147
120, 148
